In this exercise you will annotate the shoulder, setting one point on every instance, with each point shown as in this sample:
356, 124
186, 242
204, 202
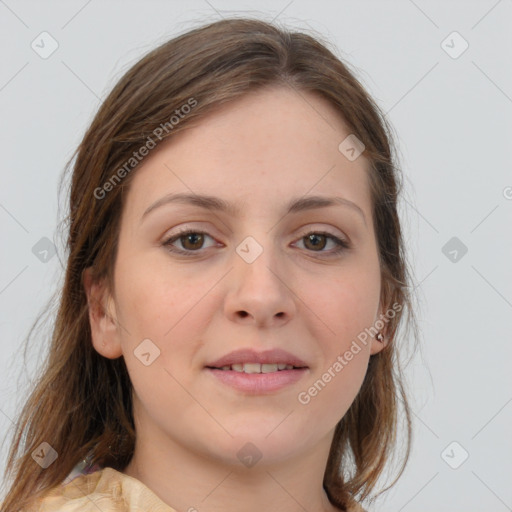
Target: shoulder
108, 490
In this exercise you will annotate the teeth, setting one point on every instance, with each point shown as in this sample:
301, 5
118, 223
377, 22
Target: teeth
257, 367
252, 367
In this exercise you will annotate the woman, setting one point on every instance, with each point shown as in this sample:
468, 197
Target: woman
236, 280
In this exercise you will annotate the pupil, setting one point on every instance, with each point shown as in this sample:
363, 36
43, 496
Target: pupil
194, 239
315, 239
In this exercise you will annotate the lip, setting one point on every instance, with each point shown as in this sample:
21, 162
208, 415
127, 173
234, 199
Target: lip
253, 356
258, 383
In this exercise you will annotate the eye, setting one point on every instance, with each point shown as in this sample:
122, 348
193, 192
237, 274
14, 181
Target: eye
190, 241
317, 241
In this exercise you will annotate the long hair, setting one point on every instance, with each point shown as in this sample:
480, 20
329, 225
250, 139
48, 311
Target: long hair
81, 402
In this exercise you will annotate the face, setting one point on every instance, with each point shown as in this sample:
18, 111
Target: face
252, 275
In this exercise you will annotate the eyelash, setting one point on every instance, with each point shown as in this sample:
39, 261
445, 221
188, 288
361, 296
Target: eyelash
341, 245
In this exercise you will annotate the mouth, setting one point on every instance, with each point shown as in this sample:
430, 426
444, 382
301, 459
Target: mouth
257, 373
252, 368
249, 360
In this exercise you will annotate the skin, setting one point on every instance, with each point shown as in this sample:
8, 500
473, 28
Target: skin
258, 152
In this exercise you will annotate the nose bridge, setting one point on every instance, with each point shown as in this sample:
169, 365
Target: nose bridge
255, 262
258, 288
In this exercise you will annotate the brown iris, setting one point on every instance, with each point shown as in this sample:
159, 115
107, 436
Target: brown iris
316, 241
192, 241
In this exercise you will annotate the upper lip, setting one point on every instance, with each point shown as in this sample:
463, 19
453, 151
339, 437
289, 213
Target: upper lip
252, 356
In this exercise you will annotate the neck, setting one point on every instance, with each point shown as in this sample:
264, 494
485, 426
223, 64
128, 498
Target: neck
187, 480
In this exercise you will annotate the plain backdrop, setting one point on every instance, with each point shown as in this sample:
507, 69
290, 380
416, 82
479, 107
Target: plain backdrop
441, 70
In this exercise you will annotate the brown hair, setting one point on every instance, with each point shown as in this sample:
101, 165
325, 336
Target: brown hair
81, 403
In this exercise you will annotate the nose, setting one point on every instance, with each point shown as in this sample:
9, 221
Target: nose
260, 292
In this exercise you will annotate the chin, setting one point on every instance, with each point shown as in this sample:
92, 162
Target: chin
254, 446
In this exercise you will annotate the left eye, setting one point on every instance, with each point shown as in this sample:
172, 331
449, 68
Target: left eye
317, 241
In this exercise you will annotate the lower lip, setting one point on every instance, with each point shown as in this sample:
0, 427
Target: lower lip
258, 383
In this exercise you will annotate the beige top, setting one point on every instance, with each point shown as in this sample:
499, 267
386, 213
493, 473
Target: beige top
107, 490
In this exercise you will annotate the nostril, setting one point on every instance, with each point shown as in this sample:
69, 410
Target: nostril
243, 314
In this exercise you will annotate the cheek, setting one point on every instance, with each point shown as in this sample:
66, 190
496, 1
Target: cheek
155, 298
166, 306
346, 303
348, 306
331, 393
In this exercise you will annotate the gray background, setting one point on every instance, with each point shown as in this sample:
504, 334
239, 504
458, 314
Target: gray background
452, 114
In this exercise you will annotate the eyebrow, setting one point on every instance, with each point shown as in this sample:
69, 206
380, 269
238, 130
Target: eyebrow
217, 204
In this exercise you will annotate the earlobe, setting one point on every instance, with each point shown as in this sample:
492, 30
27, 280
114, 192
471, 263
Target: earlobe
379, 343
102, 317
381, 339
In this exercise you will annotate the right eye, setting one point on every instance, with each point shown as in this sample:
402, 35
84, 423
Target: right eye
190, 241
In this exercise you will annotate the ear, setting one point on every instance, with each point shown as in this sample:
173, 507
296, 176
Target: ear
376, 345
105, 330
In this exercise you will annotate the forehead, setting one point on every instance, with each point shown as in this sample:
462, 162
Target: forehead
268, 145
